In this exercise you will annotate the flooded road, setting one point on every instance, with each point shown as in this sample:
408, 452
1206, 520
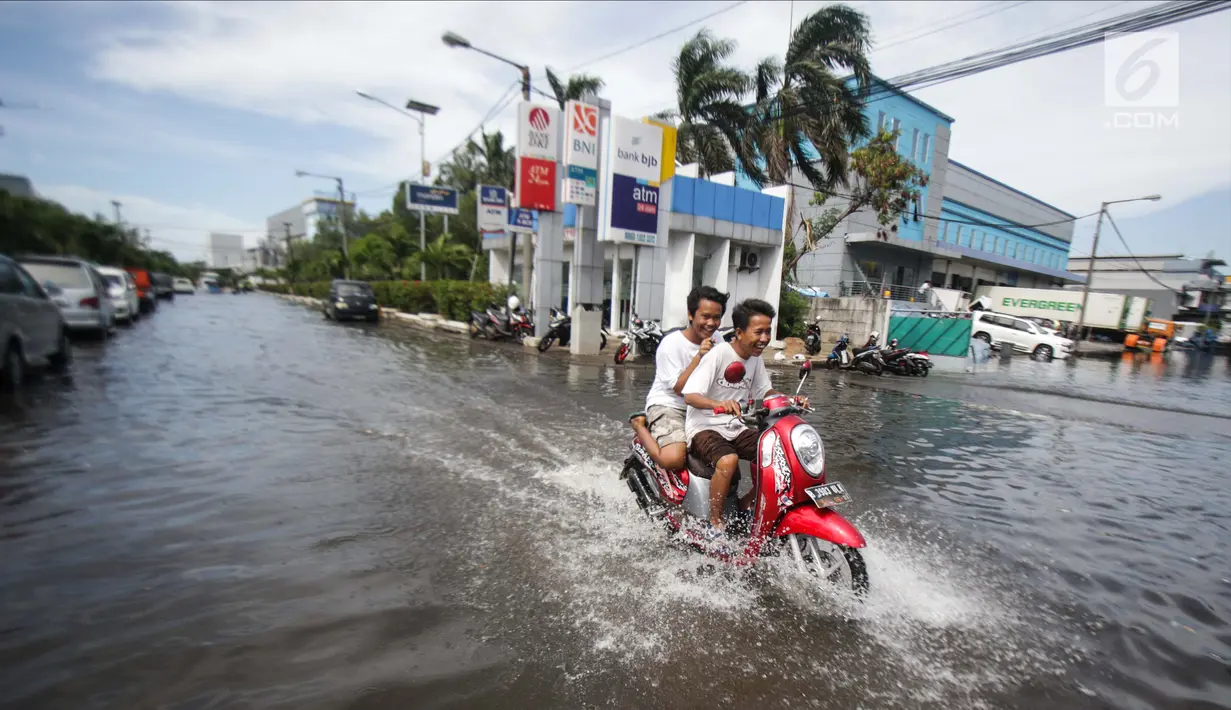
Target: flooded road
237, 504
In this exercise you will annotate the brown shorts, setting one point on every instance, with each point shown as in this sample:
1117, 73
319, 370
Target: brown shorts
709, 446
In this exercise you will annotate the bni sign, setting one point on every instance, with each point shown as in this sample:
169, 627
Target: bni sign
580, 184
434, 200
493, 210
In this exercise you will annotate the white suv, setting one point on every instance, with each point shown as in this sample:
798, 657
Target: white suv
1020, 334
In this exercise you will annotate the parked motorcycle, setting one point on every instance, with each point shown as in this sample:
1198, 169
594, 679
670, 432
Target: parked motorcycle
561, 329
864, 359
902, 361
812, 338
794, 510
646, 334
498, 323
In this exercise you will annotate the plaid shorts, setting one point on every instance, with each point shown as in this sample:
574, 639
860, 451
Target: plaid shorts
666, 424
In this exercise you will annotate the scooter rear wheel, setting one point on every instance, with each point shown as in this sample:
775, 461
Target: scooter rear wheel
831, 563
546, 342
622, 354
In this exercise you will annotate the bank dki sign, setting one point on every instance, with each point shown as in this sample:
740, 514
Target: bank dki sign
434, 200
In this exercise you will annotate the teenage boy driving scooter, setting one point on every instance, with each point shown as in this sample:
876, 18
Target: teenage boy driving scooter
731, 373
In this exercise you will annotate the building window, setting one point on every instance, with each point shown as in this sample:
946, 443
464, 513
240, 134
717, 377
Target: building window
880, 122
978, 240
927, 150
914, 146
1004, 246
897, 145
944, 231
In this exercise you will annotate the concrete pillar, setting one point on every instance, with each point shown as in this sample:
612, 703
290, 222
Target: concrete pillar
548, 272
498, 266
677, 279
615, 286
650, 282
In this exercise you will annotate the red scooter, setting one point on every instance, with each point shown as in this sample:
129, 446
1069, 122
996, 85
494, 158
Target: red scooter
794, 505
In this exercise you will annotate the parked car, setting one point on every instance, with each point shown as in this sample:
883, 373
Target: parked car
76, 286
123, 293
351, 299
145, 289
999, 330
32, 328
183, 285
163, 287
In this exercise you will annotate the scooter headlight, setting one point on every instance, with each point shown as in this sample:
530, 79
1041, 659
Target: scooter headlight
809, 449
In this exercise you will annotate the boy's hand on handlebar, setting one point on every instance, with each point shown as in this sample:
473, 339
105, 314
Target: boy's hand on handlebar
729, 406
801, 401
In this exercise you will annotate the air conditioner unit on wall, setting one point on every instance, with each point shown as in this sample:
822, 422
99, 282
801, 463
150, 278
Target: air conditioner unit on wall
749, 261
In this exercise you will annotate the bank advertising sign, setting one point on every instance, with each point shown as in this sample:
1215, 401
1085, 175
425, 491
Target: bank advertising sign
523, 221
580, 185
668, 152
636, 172
493, 210
432, 199
537, 131
536, 184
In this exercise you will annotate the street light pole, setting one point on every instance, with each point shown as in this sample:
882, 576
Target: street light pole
453, 39
424, 110
341, 215
1098, 227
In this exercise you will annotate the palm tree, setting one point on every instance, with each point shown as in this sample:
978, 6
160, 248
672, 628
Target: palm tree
805, 114
441, 255
708, 115
485, 161
578, 85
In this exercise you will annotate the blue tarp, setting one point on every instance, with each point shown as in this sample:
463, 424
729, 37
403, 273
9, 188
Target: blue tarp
809, 291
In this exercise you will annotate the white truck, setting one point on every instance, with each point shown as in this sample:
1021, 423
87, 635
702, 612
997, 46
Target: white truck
1104, 311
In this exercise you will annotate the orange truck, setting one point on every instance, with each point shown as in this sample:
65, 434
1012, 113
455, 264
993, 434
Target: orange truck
1155, 335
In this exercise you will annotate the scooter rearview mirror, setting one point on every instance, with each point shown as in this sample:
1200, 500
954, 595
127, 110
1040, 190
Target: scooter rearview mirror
805, 368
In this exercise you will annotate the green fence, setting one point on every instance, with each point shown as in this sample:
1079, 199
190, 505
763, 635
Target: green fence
938, 336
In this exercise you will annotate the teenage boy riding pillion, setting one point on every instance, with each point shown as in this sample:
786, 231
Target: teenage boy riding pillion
731, 373
660, 429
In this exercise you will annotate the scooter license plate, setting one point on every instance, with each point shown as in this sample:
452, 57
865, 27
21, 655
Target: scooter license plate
828, 495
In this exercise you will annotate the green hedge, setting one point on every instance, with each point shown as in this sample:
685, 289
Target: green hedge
451, 299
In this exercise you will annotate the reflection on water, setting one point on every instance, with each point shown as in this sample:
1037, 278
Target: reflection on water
238, 504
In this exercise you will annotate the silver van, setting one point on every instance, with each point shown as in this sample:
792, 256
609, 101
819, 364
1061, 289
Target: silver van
76, 286
32, 330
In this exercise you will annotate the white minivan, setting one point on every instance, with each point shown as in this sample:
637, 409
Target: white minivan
999, 330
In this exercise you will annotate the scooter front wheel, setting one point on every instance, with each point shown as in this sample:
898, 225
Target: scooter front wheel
837, 565
546, 342
622, 354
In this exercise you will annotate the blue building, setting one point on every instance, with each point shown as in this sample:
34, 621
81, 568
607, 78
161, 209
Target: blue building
966, 229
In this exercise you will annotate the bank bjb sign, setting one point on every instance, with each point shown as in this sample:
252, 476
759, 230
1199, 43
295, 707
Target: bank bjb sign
431, 199
636, 167
493, 210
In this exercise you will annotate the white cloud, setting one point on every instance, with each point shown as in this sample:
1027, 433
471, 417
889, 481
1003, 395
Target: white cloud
178, 229
1038, 125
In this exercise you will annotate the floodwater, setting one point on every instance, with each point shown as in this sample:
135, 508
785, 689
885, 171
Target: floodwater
238, 504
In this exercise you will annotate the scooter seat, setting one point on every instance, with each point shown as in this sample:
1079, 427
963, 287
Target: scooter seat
699, 468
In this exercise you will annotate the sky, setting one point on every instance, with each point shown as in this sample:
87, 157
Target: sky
196, 115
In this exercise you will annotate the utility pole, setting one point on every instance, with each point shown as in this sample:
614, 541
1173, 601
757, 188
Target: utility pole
289, 257
342, 226
527, 244
422, 217
1085, 291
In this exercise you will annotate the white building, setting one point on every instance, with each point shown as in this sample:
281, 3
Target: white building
226, 251
1180, 288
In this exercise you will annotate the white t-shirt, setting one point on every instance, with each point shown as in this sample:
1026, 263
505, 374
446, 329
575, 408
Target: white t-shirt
709, 380
675, 352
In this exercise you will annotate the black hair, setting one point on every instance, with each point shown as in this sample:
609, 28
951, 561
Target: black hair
706, 293
744, 311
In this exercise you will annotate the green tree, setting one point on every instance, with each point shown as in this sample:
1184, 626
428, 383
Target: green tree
444, 259
578, 86
373, 257
805, 114
708, 114
884, 181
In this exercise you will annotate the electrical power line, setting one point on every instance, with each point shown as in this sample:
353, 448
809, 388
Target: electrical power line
656, 37
985, 12
1116, 229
